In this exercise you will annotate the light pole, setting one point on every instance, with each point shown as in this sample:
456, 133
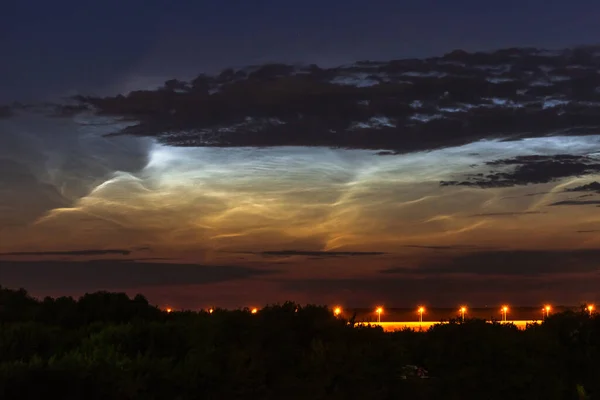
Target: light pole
337, 311
504, 312
590, 308
379, 310
463, 310
546, 310
421, 311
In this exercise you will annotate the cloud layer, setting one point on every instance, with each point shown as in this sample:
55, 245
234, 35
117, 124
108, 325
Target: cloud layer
311, 213
449, 208
507, 263
534, 169
72, 276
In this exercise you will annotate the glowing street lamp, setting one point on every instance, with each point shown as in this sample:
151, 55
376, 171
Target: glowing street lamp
590, 308
337, 311
210, 310
254, 310
169, 310
463, 310
421, 310
546, 310
504, 312
379, 310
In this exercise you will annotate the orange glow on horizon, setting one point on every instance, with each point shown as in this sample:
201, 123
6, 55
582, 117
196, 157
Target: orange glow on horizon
169, 309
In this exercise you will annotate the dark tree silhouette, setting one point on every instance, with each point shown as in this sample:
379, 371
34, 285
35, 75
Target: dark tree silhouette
109, 346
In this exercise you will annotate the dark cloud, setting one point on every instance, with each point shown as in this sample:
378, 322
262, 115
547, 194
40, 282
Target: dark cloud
482, 277
396, 106
575, 203
432, 247
130, 260
535, 194
507, 214
530, 170
114, 275
506, 263
69, 253
320, 254
142, 248
590, 187
396, 291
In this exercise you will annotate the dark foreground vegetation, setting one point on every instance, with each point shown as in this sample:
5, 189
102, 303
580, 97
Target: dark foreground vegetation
108, 346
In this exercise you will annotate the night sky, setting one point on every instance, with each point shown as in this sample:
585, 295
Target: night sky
63, 47
240, 226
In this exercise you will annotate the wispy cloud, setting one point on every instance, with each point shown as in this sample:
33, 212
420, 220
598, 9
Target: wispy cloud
525, 195
507, 214
94, 252
576, 203
292, 253
433, 247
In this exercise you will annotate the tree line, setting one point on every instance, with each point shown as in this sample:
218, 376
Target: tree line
110, 346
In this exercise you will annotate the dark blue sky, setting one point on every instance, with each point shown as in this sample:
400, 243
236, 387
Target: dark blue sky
53, 48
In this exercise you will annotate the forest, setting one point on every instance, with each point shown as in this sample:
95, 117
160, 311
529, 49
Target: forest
110, 346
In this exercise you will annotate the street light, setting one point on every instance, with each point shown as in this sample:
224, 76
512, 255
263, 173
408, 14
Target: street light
590, 308
379, 310
210, 310
421, 311
254, 310
169, 310
463, 310
337, 311
504, 312
546, 310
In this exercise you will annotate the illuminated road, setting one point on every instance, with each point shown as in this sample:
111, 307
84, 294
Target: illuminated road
425, 325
